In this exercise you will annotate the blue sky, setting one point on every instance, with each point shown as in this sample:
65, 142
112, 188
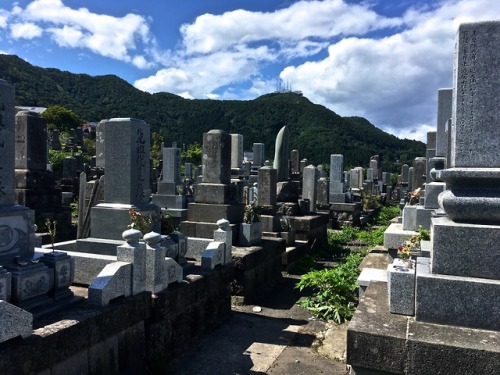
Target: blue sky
380, 59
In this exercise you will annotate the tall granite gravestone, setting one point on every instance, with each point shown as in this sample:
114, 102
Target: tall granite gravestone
430, 154
357, 178
55, 143
127, 183
295, 162
170, 195
377, 167
461, 284
29, 283
236, 153
309, 186
445, 97
258, 155
16, 221
405, 175
267, 198
99, 144
337, 192
215, 198
419, 167
35, 185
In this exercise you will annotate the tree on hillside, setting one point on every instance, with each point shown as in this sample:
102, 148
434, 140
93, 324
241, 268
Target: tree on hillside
156, 150
61, 118
194, 153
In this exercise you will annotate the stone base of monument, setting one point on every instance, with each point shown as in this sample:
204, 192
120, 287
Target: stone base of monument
257, 269
109, 220
210, 213
379, 342
170, 201
31, 284
345, 212
469, 250
456, 300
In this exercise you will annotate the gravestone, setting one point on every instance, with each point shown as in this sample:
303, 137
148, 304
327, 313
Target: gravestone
127, 183
405, 174
464, 271
336, 194
35, 185
419, 167
357, 178
171, 195
55, 143
445, 97
281, 154
31, 281
16, 221
295, 162
309, 186
215, 197
236, 153
99, 144
258, 155
376, 165
430, 154
322, 193
268, 178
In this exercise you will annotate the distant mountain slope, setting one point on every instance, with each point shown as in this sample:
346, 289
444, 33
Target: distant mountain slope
315, 130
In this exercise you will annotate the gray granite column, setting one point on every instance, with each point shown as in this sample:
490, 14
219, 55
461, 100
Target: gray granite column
7, 145
309, 186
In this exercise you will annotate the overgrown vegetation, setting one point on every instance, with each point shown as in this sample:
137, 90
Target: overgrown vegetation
335, 290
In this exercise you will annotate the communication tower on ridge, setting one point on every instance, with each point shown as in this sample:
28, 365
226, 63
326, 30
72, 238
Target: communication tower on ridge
285, 87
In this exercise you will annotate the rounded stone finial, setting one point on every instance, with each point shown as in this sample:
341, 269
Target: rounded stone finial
132, 236
152, 238
223, 224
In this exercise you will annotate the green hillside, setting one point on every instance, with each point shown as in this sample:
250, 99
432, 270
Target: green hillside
315, 130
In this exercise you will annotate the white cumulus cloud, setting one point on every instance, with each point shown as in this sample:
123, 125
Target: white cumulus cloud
25, 30
115, 37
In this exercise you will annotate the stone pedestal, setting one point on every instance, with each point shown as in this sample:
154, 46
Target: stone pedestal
31, 284
63, 267
401, 289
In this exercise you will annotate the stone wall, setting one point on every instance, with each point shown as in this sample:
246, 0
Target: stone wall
129, 336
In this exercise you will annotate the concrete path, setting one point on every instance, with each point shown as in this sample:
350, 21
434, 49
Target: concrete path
276, 336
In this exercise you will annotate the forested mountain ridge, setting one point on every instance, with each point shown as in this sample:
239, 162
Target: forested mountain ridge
315, 130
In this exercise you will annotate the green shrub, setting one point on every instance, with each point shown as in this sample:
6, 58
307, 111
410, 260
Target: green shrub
335, 290
386, 214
